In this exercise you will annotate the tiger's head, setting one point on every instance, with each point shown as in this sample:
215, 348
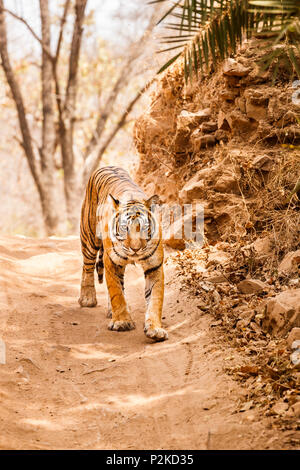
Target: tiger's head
134, 226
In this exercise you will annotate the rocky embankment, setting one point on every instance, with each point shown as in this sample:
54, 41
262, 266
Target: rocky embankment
229, 141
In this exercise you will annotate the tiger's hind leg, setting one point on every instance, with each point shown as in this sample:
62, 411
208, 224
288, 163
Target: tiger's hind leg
90, 245
100, 271
100, 265
88, 292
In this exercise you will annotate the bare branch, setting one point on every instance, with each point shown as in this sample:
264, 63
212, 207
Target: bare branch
92, 166
61, 29
121, 83
19, 102
20, 18
74, 55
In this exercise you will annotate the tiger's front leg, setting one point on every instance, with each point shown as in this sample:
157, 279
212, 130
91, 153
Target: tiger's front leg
154, 294
114, 274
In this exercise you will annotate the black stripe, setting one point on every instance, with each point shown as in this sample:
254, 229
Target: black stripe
150, 254
120, 256
151, 270
115, 264
148, 293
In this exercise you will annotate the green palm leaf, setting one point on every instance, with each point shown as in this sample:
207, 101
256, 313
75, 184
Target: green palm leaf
210, 30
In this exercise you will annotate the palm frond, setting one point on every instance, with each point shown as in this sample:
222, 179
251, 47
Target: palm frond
210, 30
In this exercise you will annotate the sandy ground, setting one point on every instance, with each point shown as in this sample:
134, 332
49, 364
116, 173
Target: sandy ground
69, 383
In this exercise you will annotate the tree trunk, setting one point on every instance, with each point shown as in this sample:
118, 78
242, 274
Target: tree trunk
48, 130
67, 119
44, 190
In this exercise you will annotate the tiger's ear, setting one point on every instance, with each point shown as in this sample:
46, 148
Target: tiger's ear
115, 201
152, 201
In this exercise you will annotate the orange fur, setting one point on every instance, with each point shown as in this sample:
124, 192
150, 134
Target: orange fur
119, 226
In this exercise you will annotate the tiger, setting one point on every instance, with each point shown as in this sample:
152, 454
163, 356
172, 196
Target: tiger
120, 225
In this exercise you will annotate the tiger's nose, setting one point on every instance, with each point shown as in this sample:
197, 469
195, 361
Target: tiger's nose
135, 246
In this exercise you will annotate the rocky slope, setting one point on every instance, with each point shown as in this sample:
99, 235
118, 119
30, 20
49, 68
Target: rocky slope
229, 140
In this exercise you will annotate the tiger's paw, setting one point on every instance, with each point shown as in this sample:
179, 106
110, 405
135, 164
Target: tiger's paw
88, 297
109, 314
157, 334
121, 325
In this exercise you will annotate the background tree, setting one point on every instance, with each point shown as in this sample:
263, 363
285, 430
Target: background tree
61, 63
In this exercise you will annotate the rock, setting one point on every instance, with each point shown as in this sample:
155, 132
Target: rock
227, 183
216, 278
182, 140
232, 68
296, 409
280, 408
232, 82
294, 335
176, 235
258, 113
257, 97
207, 140
238, 121
228, 95
290, 263
240, 102
256, 105
222, 121
221, 178
251, 286
282, 313
209, 126
218, 257
194, 189
263, 162
263, 246
221, 135
216, 297
190, 120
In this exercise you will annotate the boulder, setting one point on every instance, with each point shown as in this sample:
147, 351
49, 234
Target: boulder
209, 126
221, 135
290, 263
193, 189
203, 141
263, 162
222, 178
222, 121
280, 408
228, 95
282, 313
227, 183
296, 409
218, 257
186, 119
182, 140
258, 113
238, 121
176, 237
240, 102
251, 286
256, 105
263, 246
294, 335
232, 68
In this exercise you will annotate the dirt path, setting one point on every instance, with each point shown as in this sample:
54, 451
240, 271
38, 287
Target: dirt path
70, 383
